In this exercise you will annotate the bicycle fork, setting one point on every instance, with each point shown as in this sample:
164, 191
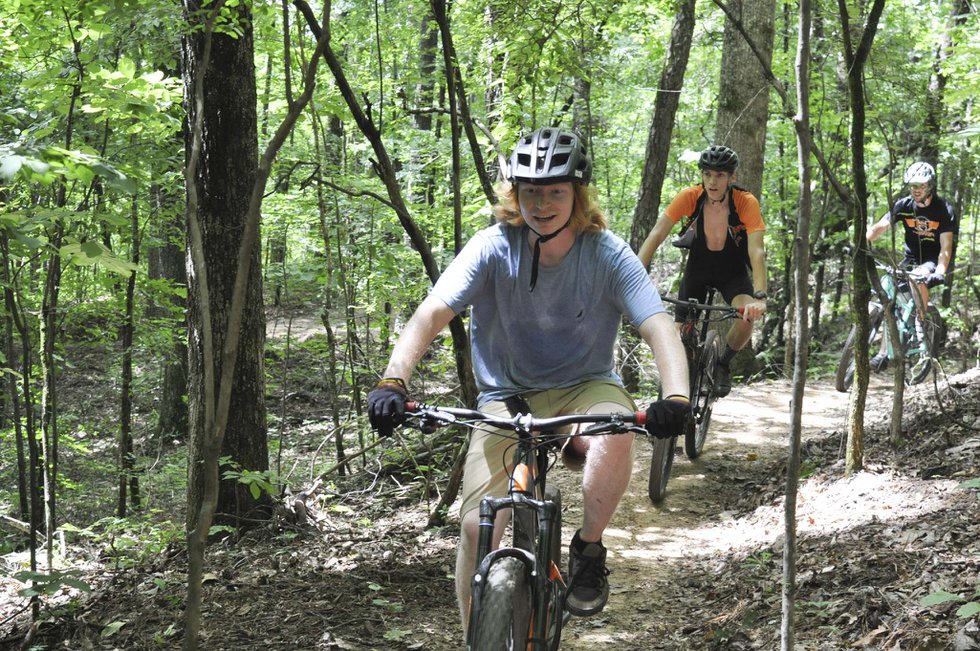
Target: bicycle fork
539, 567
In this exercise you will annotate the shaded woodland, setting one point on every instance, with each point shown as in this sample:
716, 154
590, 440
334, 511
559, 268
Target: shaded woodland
215, 218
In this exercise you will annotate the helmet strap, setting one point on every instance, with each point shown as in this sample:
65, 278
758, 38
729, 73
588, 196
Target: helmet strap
542, 239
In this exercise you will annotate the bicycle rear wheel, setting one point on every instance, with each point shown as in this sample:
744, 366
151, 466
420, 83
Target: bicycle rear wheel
505, 609
660, 464
702, 397
845, 366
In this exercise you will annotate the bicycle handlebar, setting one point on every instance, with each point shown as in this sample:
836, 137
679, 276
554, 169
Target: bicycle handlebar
605, 423
731, 312
899, 272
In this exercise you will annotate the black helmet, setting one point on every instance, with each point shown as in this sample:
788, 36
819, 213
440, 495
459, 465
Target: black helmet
550, 155
719, 158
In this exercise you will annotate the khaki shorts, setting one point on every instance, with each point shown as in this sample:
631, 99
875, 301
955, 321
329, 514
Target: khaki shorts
489, 457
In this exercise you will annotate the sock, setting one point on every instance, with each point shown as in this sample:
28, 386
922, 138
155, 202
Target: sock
727, 356
580, 544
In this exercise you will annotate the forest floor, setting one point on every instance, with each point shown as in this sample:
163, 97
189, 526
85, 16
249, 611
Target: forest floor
703, 570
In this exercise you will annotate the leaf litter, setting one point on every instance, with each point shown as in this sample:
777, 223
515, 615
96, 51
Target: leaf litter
703, 570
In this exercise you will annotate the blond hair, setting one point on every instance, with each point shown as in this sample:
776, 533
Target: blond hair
586, 217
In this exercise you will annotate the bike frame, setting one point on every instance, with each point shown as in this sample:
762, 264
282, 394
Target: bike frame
905, 304
694, 332
526, 491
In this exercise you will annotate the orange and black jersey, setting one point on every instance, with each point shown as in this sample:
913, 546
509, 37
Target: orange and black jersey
728, 269
923, 226
744, 217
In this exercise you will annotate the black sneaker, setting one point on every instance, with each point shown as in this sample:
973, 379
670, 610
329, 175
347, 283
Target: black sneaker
588, 589
879, 362
723, 380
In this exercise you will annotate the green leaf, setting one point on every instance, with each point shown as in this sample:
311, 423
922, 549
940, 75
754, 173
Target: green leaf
397, 634
968, 610
112, 629
91, 249
939, 598
127, 67
78, 584
970, 483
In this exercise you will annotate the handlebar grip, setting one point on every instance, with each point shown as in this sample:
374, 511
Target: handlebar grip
411, 405
640, 417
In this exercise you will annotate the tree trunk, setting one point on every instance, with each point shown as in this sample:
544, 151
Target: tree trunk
128, 481
743, 106
801, 335
658, 148
49, 388
14, 319
662, 124
224, 180
743, 94
168, 263
855, 59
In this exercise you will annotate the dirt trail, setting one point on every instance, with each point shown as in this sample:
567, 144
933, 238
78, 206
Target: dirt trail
647, 543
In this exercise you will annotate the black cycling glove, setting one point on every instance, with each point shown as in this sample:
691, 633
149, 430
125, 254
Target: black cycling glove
934, 279
386, 405
666, 418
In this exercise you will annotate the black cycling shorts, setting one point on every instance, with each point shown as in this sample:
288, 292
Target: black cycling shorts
696, 282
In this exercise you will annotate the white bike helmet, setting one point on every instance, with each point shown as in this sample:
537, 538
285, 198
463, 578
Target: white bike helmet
919, 173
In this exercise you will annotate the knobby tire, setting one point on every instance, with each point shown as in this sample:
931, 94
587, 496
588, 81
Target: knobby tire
845, 365
505, 611
918, 365
660, 463
702, 398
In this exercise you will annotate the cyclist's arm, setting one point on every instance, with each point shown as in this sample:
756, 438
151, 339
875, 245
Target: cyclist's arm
875, 230
656, 237
661, 335
429, 319
945, 252
757, 256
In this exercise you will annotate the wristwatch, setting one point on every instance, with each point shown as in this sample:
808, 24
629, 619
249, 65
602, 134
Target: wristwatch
761, 295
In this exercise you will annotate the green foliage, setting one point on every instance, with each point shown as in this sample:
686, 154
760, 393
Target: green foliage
970, 608
47, 584
970, 483
130, 541
257, 481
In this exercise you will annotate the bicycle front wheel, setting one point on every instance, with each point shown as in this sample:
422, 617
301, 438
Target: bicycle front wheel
660, 464
845, 366
702, 398
505, 609
920, 351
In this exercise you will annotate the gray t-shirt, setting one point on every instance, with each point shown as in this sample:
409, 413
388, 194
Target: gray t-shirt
561, 334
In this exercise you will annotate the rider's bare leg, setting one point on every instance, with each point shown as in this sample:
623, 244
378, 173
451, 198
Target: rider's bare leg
741, 330
606, 476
